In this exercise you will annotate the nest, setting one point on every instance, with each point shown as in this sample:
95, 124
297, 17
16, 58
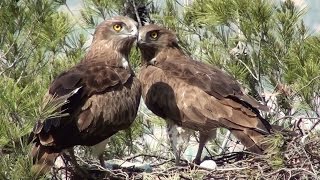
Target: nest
292, 158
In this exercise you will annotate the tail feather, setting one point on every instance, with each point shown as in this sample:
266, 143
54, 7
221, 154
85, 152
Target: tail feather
253, 140
250, 139
43, 158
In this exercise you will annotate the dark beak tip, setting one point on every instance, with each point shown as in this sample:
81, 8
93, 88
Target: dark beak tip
139, 41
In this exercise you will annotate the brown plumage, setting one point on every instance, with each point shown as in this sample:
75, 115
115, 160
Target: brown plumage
105, 100
195, 95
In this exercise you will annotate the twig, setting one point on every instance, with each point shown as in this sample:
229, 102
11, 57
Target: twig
315, 124
311, 81
136, 12
232, 169
184, 177
290, 170
249, 70
308, 159
145, 155
111, 173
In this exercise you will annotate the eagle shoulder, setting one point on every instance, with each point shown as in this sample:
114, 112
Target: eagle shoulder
87, 78
210, 79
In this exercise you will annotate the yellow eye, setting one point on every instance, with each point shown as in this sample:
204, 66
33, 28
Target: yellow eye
117, 27
154, 35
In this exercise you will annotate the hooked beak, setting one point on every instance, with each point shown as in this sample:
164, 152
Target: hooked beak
139, 39
133, 33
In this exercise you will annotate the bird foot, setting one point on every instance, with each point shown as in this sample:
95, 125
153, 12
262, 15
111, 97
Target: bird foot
102, 163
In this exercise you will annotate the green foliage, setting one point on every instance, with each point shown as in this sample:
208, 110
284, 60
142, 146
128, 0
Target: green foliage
39, 41
279, 48
303, 69
275, 150
19, 111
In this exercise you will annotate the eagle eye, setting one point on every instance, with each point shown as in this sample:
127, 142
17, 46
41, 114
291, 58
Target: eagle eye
117, 27
154, 35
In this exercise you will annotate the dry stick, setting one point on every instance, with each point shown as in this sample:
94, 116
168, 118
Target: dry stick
184, 177
232, 169
136, 12
308, 159
284, 118
292, 169
146, 155
298, 126
162, 163
112, 173
153, 156
315, 124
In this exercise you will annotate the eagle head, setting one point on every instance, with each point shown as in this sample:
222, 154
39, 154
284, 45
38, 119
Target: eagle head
113, 37
117, 28
118, 32
156, 36
153, 39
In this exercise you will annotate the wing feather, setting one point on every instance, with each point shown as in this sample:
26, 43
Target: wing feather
210, 79
81, 82
195, 108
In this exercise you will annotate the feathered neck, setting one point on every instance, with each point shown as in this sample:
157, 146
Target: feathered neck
112, 53
150, 53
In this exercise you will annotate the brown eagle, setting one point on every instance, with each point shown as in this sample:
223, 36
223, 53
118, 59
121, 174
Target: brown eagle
195, 95
105, 95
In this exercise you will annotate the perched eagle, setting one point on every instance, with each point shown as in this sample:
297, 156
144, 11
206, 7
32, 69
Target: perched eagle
105, 95
194, 95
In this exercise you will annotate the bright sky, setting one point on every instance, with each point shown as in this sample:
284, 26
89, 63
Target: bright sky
313, 13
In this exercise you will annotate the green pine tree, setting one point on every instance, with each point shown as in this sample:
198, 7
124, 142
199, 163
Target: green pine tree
264, 44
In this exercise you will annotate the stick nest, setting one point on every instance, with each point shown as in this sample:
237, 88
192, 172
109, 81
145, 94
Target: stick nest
287, 158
